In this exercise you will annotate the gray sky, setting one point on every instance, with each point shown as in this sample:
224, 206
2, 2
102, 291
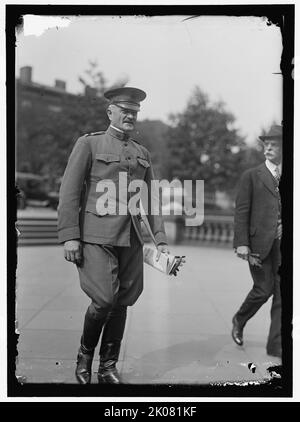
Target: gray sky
231, 59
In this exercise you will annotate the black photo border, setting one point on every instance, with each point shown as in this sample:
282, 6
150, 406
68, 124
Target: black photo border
282, 15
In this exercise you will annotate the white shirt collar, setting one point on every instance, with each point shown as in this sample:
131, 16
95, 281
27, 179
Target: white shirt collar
271, 166
117, 129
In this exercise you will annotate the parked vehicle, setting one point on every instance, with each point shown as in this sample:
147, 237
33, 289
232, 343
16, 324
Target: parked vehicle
32, 190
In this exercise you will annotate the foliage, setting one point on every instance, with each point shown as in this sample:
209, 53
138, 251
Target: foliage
152, 134
94, 79
204, 145
45, 137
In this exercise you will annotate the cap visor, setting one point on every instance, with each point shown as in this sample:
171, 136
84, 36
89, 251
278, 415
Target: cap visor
128, 106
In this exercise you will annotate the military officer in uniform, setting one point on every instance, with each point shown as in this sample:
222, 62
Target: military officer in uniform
106, 248
257, 234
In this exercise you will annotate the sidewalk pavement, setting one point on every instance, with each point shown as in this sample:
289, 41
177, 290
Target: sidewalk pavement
178, 332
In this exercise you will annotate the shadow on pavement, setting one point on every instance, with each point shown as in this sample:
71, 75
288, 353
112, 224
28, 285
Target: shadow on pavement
211, 359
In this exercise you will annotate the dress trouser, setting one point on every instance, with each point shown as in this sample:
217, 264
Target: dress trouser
266, 283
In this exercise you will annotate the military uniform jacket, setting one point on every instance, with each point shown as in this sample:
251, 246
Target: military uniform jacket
99, 157
257, 211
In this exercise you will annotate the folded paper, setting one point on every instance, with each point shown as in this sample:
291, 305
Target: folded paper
166, 263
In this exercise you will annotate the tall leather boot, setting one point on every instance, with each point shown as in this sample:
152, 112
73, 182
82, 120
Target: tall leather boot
93, 323
110, 346
84, 362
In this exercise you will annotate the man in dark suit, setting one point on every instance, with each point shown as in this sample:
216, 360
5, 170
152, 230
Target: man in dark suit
107, 247
257, 234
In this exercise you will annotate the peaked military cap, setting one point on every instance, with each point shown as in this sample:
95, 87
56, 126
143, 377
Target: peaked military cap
126, 97
275, 132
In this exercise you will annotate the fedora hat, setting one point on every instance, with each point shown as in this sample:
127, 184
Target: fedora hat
274, 133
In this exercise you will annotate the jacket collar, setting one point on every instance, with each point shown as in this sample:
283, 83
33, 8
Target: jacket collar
272, 167
117, 133
266, 177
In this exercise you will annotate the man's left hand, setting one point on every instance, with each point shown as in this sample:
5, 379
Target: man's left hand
163, 248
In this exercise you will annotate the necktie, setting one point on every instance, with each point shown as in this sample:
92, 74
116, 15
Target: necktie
279, 225
277, 174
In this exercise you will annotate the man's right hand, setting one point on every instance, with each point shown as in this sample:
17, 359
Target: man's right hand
73, 251
243, 252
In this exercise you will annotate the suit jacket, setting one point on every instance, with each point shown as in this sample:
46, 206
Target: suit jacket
256, 211
97, 157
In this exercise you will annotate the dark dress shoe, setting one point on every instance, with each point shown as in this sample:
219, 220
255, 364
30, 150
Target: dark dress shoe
237, 332
83, 370
108, 376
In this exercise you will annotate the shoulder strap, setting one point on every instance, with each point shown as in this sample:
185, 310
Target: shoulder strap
95, 133
144, 219
134, 140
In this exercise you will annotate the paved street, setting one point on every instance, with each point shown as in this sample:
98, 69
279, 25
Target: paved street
177, 333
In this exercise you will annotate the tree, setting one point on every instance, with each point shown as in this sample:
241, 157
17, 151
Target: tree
95, 81
45, 137
152, 134
204, 145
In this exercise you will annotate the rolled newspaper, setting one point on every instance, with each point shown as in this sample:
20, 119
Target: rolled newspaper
167, 263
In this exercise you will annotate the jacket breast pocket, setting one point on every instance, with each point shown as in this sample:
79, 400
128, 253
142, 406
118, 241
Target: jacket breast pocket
106, 166
108, 158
